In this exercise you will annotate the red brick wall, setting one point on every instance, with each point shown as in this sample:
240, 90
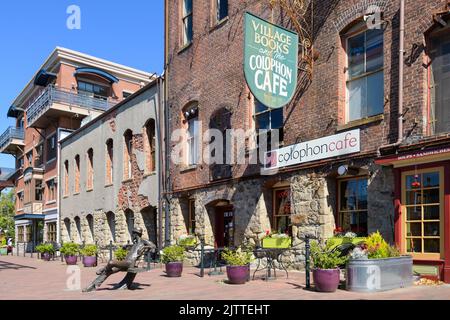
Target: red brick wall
210, 72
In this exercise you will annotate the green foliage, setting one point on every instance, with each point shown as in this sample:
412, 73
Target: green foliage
238, 257
172, 254
70, 249
7, 212
89, 250
378, 248
324, 258
187, 241
121, 254
45, 248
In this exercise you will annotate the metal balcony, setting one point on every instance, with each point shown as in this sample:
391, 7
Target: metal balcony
11, 140
55, 102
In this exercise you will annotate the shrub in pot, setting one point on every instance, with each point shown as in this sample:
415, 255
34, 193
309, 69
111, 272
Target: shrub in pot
238, 265
89, 253
121, 253
173, 257
326, 262
70, 251
46, 250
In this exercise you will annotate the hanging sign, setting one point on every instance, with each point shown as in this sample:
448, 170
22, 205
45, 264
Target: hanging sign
270, 61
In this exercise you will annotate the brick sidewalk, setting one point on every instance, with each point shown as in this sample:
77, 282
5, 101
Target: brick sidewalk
27, 278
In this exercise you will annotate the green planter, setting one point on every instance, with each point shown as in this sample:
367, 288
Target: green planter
187, 242
3, 251
339, 241
276, 243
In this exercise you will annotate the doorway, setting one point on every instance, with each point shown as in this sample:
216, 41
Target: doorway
224, 231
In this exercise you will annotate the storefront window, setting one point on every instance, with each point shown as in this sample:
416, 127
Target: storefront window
282, 212
353, 205
422, 209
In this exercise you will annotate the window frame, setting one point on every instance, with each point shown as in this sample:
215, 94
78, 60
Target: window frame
269, 111
422, 255
339, 212
90, 170
109, 163
66, 191
51, 232
77, 174
184, 41
346, 36
275, 216
50, 156
215, 12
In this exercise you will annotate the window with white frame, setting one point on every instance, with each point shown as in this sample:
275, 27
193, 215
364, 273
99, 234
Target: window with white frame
191, 116
187, 23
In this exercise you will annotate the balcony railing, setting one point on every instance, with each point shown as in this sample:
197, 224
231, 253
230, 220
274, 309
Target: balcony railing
10, 134
52, 94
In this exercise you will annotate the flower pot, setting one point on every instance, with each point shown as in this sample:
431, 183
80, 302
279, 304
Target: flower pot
71, 260
89, 261
46, 256
238, 274
3, 251
276, 243
326, 280
174, 269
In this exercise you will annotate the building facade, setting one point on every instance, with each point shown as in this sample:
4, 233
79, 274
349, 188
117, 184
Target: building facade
110, 173
69, 89
354, 82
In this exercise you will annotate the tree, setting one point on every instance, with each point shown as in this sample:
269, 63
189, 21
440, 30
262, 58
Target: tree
7, 211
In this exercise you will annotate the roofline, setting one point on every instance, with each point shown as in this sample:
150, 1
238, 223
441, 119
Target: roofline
60, 54
114, 108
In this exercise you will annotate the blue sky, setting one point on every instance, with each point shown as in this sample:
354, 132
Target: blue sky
129, 32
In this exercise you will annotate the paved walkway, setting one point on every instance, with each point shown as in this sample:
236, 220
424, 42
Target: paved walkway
27, 278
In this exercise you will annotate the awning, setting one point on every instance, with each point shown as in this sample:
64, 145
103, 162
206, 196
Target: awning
44, 78
30, 217
415, 157
98, 72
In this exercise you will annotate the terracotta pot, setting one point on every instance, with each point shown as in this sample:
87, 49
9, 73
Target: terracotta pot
89, 261
71, 260
238, 274
174, 269
326, 280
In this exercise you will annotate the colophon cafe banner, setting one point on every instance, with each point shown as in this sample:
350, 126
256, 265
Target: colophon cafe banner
270, 61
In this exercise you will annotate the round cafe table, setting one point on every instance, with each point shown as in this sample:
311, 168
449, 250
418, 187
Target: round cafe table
271, 254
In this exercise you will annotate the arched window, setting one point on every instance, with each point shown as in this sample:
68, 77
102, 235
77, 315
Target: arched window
364, 71
66, 178
109, 161
90, 222
150, 146
129, 217
192, 134
78, 226
67, 225
110, 218
90, 169
127, 153
77, 174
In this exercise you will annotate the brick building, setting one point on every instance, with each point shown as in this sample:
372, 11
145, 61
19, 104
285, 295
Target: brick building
110, 173
354, 85
70, 89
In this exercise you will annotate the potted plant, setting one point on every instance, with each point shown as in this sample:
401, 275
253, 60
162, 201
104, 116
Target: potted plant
341, 237
173, 257
46, 250
238, 265
89, 253
187, 241
326, 262
70, 251
121, 253
274, 240
377, 266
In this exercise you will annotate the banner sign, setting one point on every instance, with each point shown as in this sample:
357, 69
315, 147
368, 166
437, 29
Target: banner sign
270, 61
327, 147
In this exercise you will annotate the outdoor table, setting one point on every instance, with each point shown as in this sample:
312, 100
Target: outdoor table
271, 255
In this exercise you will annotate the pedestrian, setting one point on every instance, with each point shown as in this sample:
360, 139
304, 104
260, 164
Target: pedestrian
9, 246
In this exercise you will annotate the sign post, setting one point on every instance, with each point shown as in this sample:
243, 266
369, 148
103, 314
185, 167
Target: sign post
270, 61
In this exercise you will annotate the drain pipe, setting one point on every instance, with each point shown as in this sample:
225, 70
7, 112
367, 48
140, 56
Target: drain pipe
400, 80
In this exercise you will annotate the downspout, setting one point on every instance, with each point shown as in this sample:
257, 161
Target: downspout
167, 187
400, 80
58, 217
